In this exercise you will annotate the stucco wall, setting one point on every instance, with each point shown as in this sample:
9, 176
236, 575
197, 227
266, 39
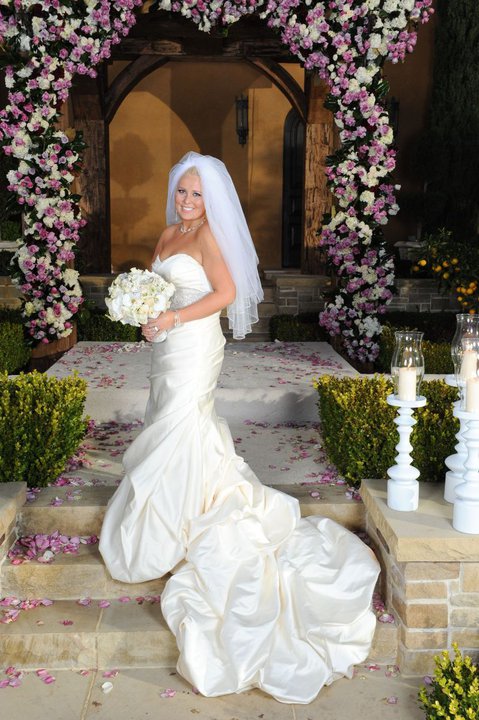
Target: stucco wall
191, 106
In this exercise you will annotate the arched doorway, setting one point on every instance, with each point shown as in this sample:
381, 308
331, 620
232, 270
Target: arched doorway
293, 184
190, 105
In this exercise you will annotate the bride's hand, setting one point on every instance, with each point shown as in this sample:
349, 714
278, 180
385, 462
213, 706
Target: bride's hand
154, 326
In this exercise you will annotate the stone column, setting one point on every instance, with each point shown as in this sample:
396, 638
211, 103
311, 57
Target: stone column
93, 183
319, 143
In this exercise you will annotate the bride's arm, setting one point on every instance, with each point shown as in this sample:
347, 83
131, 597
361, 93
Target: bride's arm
223, 293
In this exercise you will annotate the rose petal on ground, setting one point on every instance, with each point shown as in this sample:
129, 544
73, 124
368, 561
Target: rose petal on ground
107, 687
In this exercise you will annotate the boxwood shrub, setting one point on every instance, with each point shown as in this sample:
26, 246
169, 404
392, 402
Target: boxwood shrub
93, 324
437, 355
296, 328
360, 435
14, 353
41, 426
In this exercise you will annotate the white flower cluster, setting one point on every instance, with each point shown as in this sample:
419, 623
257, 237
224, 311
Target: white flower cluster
138, 295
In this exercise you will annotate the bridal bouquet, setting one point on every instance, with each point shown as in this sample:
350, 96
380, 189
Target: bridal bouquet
136, 296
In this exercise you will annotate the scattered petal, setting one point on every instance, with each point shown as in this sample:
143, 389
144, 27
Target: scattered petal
107, 687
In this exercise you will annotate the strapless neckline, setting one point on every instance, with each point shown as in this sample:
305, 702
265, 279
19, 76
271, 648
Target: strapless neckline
178, 255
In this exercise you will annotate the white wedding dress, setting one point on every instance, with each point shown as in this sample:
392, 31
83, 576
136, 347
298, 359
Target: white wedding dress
258, 596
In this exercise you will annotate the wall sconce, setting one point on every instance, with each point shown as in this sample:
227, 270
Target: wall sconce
242, 118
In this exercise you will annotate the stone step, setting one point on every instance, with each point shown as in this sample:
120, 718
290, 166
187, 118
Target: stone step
262, 327
85, 516
124, 635
69, 577
12, 498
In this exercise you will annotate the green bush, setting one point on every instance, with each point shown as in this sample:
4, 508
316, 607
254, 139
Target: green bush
14, 354
5, 267
436, 326
41, 426
360, 435
11, 231
437, 355
454, 690
296, 328
95, 325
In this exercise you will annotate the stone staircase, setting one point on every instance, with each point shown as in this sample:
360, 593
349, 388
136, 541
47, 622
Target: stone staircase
266, 310
116, 625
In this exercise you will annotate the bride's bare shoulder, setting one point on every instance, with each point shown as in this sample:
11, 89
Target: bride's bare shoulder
164, 238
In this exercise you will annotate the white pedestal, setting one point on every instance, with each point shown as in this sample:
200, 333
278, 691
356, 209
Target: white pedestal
455, 462
465, 517
403, 487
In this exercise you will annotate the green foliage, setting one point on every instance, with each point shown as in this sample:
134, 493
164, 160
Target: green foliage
93, 324
436, 326
437, 356
454, 692
41, 426
296, 328
11, 231
14, 354
5, 267
360, 435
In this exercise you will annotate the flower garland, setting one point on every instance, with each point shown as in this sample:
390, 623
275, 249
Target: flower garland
347, 43
45, 43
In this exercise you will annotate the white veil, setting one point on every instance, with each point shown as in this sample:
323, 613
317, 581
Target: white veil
228, 224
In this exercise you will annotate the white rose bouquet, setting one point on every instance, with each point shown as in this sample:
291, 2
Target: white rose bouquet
136, 296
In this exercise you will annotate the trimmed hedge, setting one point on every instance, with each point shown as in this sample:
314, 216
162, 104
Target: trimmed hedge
437, 356
95, 325
41, 426
14, 353
437, 327
296, 328
360, 435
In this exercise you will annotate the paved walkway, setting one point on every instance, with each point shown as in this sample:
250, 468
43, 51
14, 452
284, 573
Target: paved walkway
266, 394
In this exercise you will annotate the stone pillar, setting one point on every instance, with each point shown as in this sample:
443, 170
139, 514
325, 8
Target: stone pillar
93, 183
319, 143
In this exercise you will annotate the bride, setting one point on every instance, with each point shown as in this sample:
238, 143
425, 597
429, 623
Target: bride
258, 597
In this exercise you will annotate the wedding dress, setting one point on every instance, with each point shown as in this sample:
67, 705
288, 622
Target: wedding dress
258, 596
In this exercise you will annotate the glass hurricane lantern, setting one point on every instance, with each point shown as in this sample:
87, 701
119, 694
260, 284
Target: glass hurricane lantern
407, 371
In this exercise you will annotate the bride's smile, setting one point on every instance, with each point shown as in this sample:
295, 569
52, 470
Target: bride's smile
189, 199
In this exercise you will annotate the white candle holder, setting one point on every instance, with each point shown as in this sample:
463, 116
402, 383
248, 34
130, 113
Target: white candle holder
403, 487
455, 462
466, 504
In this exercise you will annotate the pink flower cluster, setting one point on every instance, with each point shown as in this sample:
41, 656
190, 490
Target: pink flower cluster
49, 42
345, 41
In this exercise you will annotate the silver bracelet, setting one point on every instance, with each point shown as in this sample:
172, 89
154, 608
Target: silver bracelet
177, 322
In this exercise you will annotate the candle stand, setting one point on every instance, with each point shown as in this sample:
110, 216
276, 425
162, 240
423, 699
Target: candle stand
455, 462
403, 487
466, 504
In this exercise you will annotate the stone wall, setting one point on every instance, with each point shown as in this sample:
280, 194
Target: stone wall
295, 293
421, 295
9, 295
430, 575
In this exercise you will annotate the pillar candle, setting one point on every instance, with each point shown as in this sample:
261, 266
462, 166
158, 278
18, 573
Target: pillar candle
468, 365
472, 395
407, 383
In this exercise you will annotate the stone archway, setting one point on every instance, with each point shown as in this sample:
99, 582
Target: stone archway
95, 103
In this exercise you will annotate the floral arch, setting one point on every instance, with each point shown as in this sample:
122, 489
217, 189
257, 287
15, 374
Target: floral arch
46, 42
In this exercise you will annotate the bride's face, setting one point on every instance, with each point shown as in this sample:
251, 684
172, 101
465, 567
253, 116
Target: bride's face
189, 199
